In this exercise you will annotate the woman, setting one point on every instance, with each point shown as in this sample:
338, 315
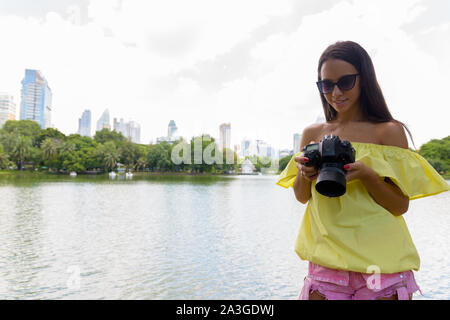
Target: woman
358, 245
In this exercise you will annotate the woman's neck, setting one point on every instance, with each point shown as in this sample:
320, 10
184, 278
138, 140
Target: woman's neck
353, 115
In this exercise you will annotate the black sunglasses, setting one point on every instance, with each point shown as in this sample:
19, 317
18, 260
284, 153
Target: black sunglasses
345, 83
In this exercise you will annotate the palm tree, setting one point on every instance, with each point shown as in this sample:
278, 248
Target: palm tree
49, 148
140, 164
67, 147
21, 149
111, 155
4, 159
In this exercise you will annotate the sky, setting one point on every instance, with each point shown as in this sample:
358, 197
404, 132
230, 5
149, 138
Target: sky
202, 63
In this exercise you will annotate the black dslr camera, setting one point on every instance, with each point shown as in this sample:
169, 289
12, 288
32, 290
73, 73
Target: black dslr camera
329, 156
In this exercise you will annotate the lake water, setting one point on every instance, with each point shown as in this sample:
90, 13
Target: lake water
174, 237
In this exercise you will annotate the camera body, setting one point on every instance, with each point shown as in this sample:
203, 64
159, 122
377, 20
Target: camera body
329, 156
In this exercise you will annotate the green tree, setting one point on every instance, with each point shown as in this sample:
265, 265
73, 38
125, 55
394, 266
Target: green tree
52, 133
50, 153
72, 161
50, 148
205, 141
158, 157
259, 162
284, 162
439, 165
4, 158
67, 147
26, 128
89, 152
437, 153
106, 135
110, 155
129, 154
93, 157
21, 149
231, 155
141, 163
35, 157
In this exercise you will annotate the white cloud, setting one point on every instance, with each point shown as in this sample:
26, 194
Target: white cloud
210, 26
125, 55
410, 77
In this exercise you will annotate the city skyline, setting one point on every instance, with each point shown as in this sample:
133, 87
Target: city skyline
259, 74
131, 129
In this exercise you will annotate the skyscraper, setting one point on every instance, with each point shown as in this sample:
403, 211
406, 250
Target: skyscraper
103, 121
130, 130
262, 148
172, 129
248, 148
225, 136
119, 126
84, 124
36, 102
134, 131
7, 108
297, 140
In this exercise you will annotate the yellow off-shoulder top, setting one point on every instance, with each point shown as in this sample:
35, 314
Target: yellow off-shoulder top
353, 232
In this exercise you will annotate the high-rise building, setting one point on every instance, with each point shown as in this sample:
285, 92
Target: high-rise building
84, 124
172, 129
297, 140
271, 153
7, 108
225, 136
134, 131
103, 121
115, 124
262, 148
130, 130
119, 126
245, 147
36, 102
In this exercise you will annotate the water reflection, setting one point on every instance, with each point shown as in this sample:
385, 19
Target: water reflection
26, 245
166, 237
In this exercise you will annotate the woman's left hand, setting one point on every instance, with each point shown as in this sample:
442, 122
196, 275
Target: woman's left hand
357, 170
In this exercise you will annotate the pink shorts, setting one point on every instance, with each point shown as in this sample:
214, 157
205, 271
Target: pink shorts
349, 285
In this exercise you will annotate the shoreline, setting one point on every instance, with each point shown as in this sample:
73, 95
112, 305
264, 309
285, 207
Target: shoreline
136, 173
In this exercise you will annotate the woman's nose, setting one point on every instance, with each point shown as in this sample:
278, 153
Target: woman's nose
336, 91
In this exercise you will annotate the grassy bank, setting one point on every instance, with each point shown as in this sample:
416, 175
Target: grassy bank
24, 172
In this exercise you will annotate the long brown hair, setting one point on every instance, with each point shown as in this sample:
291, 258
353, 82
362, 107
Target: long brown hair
374, 107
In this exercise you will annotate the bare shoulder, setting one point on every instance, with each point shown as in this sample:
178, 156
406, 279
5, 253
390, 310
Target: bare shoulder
311, 132
392, 134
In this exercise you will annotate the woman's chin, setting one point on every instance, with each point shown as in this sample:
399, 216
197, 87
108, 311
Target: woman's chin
342, 107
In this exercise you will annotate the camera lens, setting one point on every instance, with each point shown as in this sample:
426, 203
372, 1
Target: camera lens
331, 182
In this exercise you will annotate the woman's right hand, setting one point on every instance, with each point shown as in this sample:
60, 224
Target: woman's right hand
309, 173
